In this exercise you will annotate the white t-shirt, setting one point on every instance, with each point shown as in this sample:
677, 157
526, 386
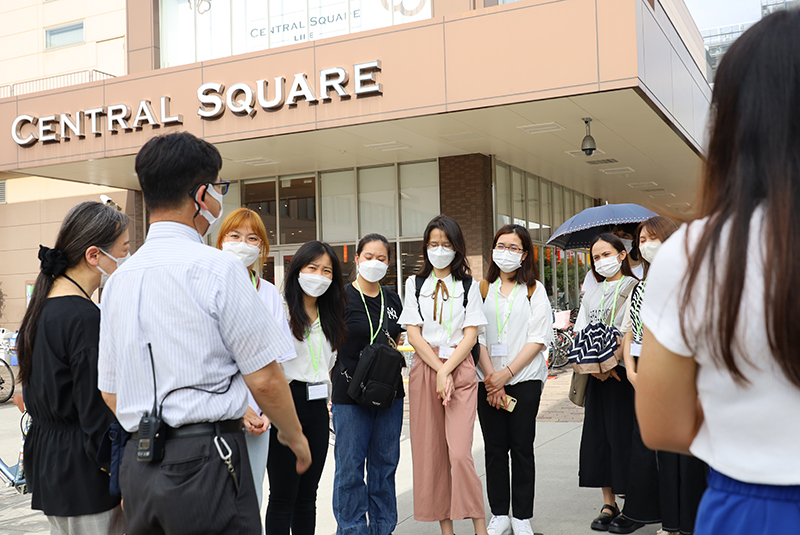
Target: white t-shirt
450, 310
529, 322
274, 303
590, 282
750, 432
314, 358
601, 299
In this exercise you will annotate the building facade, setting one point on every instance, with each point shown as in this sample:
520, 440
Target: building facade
384, 115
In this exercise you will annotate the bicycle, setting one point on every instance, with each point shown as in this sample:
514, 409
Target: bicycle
14, 475
562, 339
6, 379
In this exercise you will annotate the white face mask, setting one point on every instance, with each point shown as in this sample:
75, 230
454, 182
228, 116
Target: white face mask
649, 250
628, 245
441, 257
245, 252
213, 221
507, 261
314, 285
119, 261
608, 267
372, 270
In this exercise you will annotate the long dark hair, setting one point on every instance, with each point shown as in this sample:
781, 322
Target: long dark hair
87, 224
528, 273
459, 267
331, 304
617, 244
659, 226
753, 160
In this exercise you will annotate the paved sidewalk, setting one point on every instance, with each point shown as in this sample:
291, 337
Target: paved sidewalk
561, 508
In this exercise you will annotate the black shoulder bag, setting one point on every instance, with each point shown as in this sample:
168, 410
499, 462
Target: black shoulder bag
378, 374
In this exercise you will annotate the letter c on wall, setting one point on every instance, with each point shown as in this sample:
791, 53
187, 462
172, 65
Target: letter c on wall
16, 130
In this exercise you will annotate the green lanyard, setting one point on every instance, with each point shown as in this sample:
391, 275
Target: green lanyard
372, 335
616, 295
254, 280
311, 347
497, 308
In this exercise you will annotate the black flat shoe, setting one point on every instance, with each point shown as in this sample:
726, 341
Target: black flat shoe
623, 525
603, 520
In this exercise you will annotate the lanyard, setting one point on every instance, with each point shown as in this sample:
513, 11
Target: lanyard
311, 346
616, 295
497, 308
372, 335
255, 282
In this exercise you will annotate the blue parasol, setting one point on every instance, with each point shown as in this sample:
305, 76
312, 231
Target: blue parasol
579, 230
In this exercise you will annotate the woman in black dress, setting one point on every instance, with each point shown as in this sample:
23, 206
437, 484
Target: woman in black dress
57, 344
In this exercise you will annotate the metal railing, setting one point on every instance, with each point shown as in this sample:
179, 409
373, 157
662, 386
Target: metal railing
53, 82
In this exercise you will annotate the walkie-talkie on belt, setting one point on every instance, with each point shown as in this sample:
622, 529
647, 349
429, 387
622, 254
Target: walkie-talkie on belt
152, 435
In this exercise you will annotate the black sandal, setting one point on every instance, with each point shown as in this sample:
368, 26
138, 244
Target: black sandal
607, 514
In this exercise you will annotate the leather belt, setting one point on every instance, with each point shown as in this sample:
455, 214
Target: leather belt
200, 429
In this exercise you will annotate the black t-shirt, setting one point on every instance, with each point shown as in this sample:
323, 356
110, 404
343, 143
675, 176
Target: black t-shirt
357, 337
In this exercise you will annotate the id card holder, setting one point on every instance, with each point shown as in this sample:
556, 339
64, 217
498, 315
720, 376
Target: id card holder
446, 352
636, 350
498, 350
315, 391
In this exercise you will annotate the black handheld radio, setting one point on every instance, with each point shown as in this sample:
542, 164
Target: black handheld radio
152, 431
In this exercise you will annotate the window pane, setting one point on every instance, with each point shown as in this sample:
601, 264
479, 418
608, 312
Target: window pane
376, 201
547, 229
549, 274
419, 196
69, 34
371, 15
298, 209
288, 22
250, 26
338, 192
518, 196
411, 260
569, 204
503, 196
588, 202
230, 202
327, 18
177, 33
346, 262
533, 207
558, 206
259, 196
213, 30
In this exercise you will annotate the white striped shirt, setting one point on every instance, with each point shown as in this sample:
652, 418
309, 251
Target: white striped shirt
207, 326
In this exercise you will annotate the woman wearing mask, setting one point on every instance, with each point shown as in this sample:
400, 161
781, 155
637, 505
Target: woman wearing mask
315, 298
512, 363
57, 347
365, 435
719, 374
243, 235
608, 418
443, 327
662, 484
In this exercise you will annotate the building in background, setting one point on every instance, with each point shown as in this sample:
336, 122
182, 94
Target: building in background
717, 41
337, 118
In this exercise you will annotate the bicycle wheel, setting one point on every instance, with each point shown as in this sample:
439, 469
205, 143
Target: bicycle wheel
561, 350
6, 382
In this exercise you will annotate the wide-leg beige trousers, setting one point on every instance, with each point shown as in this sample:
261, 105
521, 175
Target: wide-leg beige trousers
446, 485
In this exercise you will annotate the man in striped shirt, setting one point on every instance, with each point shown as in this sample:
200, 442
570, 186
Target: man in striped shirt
184, 332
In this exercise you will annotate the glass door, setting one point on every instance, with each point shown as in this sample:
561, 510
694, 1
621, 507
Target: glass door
277, 264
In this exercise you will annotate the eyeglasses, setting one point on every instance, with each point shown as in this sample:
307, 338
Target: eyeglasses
250, 239
512, 248
222, 187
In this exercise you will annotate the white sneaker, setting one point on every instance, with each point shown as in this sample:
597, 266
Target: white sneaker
521, 527
499, 525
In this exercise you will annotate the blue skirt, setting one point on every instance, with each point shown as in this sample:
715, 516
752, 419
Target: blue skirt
731, 507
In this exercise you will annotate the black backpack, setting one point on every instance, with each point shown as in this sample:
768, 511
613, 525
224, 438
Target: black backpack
377, 377
419, 281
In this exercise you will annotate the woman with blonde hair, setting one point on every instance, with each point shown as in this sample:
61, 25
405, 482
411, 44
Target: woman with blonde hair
243, 235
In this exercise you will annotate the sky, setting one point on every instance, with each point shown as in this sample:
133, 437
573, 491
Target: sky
714, 13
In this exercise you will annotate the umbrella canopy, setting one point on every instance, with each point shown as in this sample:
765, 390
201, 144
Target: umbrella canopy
579, 230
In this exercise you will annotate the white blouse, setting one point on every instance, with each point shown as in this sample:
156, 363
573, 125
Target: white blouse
601, 300
314, 360
523, 322
447, 330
